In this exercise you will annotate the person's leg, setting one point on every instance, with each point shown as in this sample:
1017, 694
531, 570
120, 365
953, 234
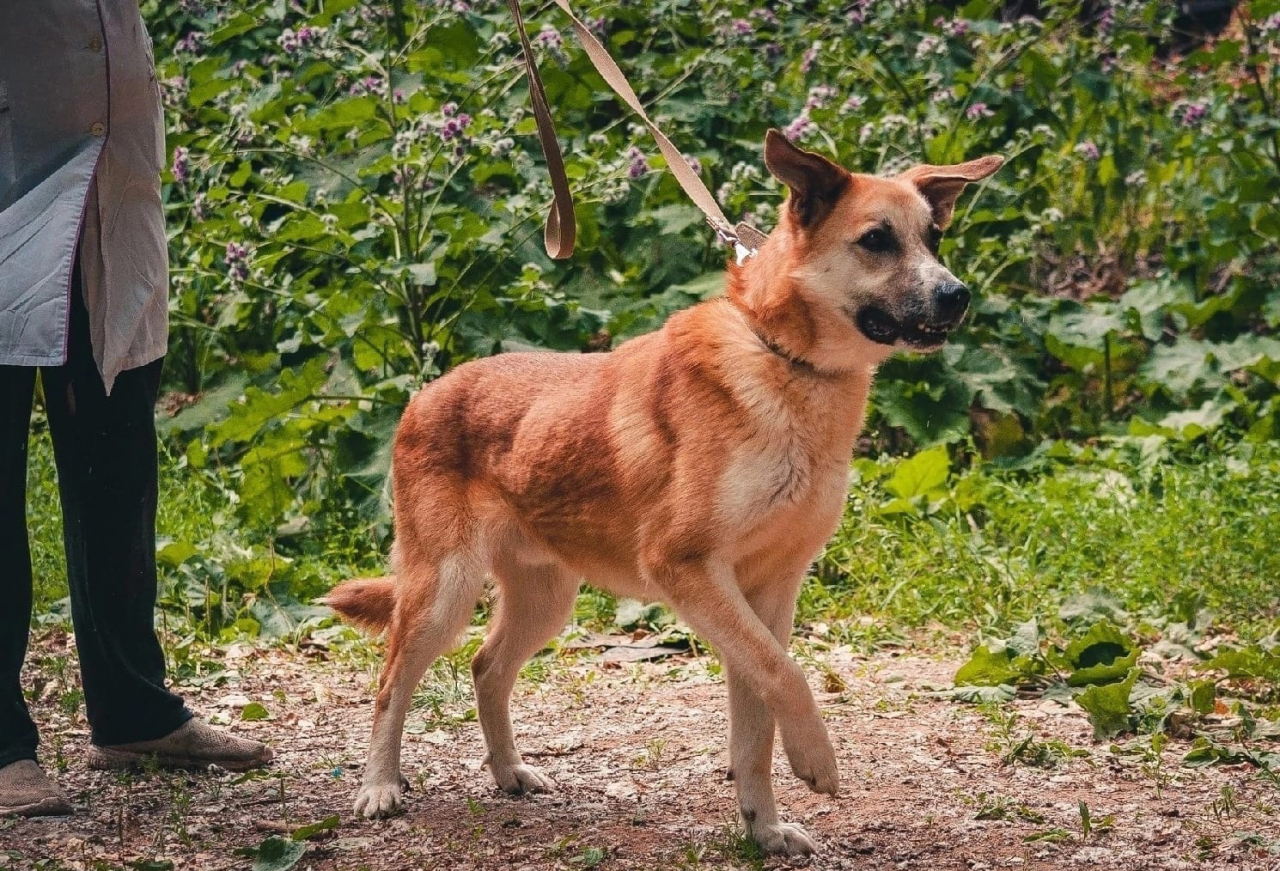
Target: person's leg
105, 448
17, 732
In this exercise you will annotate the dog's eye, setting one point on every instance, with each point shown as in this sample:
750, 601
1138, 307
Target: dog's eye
877, 241
934, 239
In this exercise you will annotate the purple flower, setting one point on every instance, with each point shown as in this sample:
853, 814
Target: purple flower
367, 85
810, 56
190, 43
1087, 150
553, 41
819, 96
454, 127
1194, 113
694, 164
180, 164
765, 15
800, 127
978, 110
639, 167
954, 28
292, 42
742, 27
1106, 20
237, 260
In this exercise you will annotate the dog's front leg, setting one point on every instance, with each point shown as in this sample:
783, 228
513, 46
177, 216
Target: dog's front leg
705, 594
751, 728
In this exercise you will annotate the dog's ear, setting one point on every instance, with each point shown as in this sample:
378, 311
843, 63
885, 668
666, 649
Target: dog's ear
941, 185
815, 182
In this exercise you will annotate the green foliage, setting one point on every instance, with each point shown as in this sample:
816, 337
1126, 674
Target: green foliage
274, 854
355, 200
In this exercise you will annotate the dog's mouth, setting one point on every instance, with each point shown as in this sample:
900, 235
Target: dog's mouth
883, 328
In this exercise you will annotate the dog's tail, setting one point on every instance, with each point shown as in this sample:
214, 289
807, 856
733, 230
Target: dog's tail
366, 602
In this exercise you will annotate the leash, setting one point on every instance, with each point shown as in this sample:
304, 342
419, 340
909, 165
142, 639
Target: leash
561, 231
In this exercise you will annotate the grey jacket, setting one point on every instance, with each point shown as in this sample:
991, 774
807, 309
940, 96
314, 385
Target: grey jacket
81, 150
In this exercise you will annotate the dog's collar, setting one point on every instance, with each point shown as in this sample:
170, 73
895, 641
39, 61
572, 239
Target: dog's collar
795, 361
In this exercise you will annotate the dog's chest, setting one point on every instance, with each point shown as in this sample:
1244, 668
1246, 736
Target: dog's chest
793, 467
777, 474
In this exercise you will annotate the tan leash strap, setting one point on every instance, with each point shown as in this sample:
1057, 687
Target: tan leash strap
561, 230
676, 162
560, 233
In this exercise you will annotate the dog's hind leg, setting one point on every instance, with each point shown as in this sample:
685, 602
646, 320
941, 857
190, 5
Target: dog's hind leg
434, 605
534, 603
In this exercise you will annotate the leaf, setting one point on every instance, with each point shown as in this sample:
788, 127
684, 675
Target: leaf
255, 711
987, 667
424, 274
278, 854
1102, 655
976, 694
1092, 604
1251, 662
306, 832
1108, 706
1026, 638
1180, 368
922, 474
1203, 695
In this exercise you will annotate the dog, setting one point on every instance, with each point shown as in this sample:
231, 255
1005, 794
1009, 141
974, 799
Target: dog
703, 465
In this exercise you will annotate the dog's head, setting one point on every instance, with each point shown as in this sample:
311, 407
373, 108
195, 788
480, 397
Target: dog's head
862, 251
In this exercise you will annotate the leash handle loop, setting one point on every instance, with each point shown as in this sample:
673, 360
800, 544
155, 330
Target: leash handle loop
742, 237
561, 229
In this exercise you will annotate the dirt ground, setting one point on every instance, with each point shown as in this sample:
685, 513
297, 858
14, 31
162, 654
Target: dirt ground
638, 753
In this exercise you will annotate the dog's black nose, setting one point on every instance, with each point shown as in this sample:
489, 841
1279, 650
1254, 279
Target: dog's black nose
952, 298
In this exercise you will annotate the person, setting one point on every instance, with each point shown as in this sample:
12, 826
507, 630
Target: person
83, 300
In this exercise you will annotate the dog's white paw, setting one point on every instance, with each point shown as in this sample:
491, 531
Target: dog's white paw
521, 779
813, 760
377, 800
783, 839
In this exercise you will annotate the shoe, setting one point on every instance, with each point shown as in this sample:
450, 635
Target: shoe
192, 745
26, 791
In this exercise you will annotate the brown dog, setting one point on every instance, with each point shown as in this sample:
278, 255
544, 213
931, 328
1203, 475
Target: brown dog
703, 465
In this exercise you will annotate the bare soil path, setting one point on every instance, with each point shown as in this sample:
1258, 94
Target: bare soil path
638, 753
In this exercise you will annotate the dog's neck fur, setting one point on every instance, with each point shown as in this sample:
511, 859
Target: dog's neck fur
767, 292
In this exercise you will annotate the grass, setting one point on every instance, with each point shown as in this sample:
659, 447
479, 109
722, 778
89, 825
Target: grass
1165, 538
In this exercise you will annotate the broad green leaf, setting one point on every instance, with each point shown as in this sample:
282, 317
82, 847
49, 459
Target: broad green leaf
1108, 706
255, 711
922, 474
278, 854
306, 832
987, 667
1251, 662
1101, 655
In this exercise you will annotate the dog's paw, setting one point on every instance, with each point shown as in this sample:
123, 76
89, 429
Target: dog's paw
376, 800
784, 839
521, 779
814, 762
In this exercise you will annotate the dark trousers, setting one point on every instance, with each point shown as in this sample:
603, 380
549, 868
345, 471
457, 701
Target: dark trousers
105, 449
